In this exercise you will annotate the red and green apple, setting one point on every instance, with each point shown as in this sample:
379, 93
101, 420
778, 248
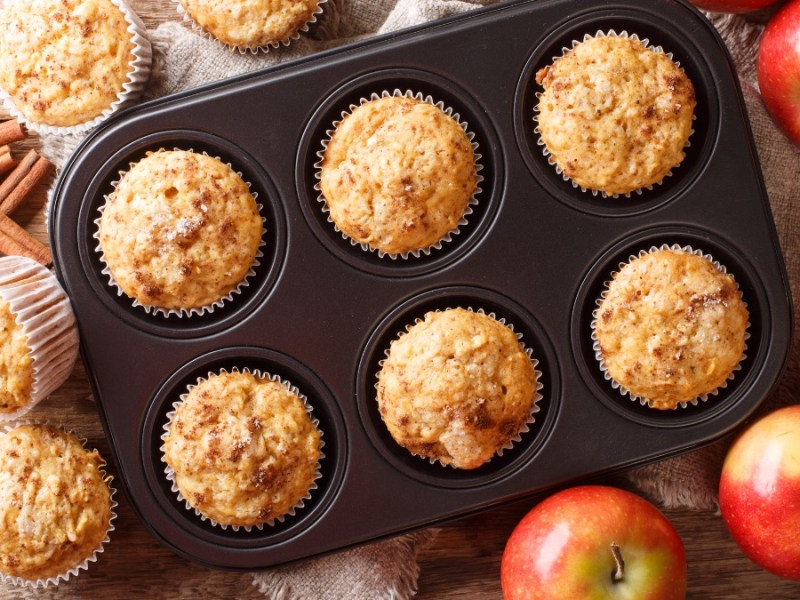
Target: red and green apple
594, 542
759, 492
733, 6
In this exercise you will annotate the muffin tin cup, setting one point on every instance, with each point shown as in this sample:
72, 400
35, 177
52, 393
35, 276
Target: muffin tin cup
183, 312
74, 571
526, 428
473, 201
170, 474
138, 75
43, 311
197, 28
596, 344
546, 152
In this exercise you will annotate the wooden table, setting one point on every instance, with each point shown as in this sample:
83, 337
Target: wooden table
463, 562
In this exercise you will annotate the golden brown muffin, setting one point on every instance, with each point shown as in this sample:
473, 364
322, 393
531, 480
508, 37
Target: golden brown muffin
16, 364
243, 449
55, 504
615, 116
63, 62
456, 388
398, 174
671, 327
251, 23
180, 231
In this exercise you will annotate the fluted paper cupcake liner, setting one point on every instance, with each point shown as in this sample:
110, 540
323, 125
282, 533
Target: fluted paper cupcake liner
596, 344
546, 153
170, 474
140, 66
473, 201
74, 571
528, 351
183, 312
197, 28
43, 311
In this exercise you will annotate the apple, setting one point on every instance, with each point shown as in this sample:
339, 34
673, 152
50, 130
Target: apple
759, 492
779, 69
592, 542
733, 6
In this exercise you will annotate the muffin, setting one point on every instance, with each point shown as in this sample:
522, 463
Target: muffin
65, 63
671, 327
251, 24
38, 335
241, 449
180, 232
55, 505
457, 388
398, 175
615, 115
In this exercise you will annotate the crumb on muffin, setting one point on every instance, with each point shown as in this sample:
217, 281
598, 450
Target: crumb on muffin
16, 363
398, 174
180, 231
63, 62
55, 504
615, 115
456, 388
243, 449
671, 327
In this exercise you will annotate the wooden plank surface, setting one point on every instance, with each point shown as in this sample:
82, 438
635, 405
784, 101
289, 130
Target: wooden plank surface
463, 562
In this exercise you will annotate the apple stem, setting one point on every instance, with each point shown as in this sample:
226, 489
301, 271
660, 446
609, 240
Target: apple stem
619, 573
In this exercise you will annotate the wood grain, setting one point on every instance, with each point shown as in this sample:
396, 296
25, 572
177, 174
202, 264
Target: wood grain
463, 562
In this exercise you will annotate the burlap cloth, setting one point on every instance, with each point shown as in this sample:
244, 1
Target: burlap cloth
389, 569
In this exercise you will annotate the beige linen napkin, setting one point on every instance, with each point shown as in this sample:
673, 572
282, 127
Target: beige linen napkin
388, 570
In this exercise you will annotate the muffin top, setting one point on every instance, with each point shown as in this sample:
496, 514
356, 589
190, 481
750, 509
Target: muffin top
63, 62
398, 174
16, 364
55, 505
615, 115
251, 23
181, 230
671, 327
456, 388
243, 449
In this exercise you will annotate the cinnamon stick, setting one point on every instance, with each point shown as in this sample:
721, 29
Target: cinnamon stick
11, 199
16, 176
5, 149
11, 131
6, 163
15, 241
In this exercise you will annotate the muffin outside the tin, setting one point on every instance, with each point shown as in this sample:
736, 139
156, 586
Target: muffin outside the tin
671, 327
456, 388
55, 505
398, 174
181, 231
251, 24
242, 449
615, 115
67, 64
38, 335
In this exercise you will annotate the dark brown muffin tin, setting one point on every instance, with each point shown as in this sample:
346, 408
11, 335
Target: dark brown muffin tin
320, 312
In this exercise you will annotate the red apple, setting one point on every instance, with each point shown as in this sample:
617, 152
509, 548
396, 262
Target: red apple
733, 6
594, 542
779, 69
759, 492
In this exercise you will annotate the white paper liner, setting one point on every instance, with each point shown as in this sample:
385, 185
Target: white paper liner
526, 427
131, 89
188, 20
546, 152
43, 311
170, 474
473, 201
74, 571
184, 312
596, 344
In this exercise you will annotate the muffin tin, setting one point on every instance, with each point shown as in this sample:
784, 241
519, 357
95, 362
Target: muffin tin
320, 312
